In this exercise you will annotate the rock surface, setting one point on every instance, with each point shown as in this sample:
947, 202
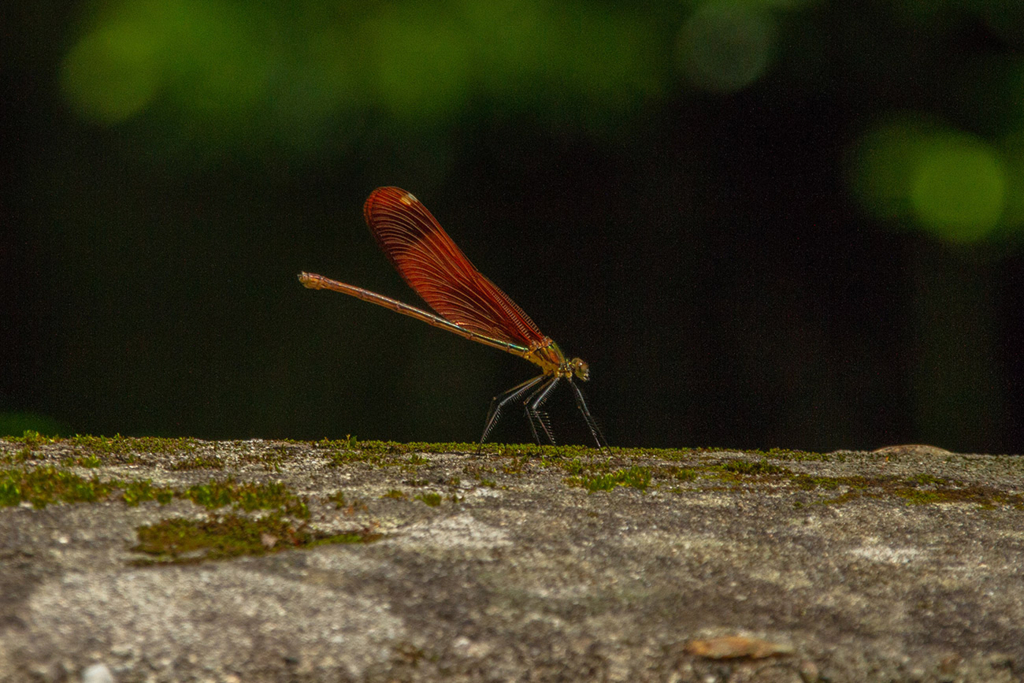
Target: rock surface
524, 565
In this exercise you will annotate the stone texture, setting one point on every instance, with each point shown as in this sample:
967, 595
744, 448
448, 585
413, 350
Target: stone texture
525, 578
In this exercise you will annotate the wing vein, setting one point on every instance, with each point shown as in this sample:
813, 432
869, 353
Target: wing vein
434, 266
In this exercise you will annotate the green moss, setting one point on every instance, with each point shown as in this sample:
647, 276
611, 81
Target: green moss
431, 499
589, 468
634, 477
916, 490
928, 480
32, 439
44, 485
87, 461
748, 468
984, 496
248, 496
47, 484
679, 473
918, 497
380, 448
395, 494
574, 467
515, 467
188, 541
348, 443
124, 445
141, 491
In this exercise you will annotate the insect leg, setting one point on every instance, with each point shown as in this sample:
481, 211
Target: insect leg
504, 398
581, 403
537, 417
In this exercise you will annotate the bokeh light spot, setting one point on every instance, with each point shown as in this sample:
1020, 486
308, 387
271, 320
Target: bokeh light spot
725, 46
210, 59
113, 73
952, 184
959, 188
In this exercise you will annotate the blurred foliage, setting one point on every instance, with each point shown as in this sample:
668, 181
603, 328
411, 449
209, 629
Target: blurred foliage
274, 69
234, 74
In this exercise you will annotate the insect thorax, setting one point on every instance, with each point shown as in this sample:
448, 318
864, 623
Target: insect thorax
552, 361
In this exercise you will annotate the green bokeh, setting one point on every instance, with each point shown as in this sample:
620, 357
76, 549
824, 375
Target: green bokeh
958, 188
946, 182
211, 59
726, 45
114, 72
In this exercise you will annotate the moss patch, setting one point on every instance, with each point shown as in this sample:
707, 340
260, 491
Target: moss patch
187, 541
118, 445
48, 484
674, 470
136, 492
633, 477
431, 499
749, 468
248, 496
45, 485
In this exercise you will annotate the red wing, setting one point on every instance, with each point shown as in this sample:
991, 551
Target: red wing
428, 260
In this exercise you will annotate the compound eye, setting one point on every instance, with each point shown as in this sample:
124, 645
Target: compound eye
580, 369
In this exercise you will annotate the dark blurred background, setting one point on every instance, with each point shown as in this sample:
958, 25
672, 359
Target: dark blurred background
781, 223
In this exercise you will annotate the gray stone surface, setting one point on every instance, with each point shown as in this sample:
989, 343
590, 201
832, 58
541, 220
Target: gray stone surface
517, 575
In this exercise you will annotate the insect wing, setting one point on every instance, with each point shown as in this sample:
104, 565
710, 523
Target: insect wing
431, 263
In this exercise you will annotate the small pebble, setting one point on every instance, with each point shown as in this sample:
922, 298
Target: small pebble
97, 673
809, 672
